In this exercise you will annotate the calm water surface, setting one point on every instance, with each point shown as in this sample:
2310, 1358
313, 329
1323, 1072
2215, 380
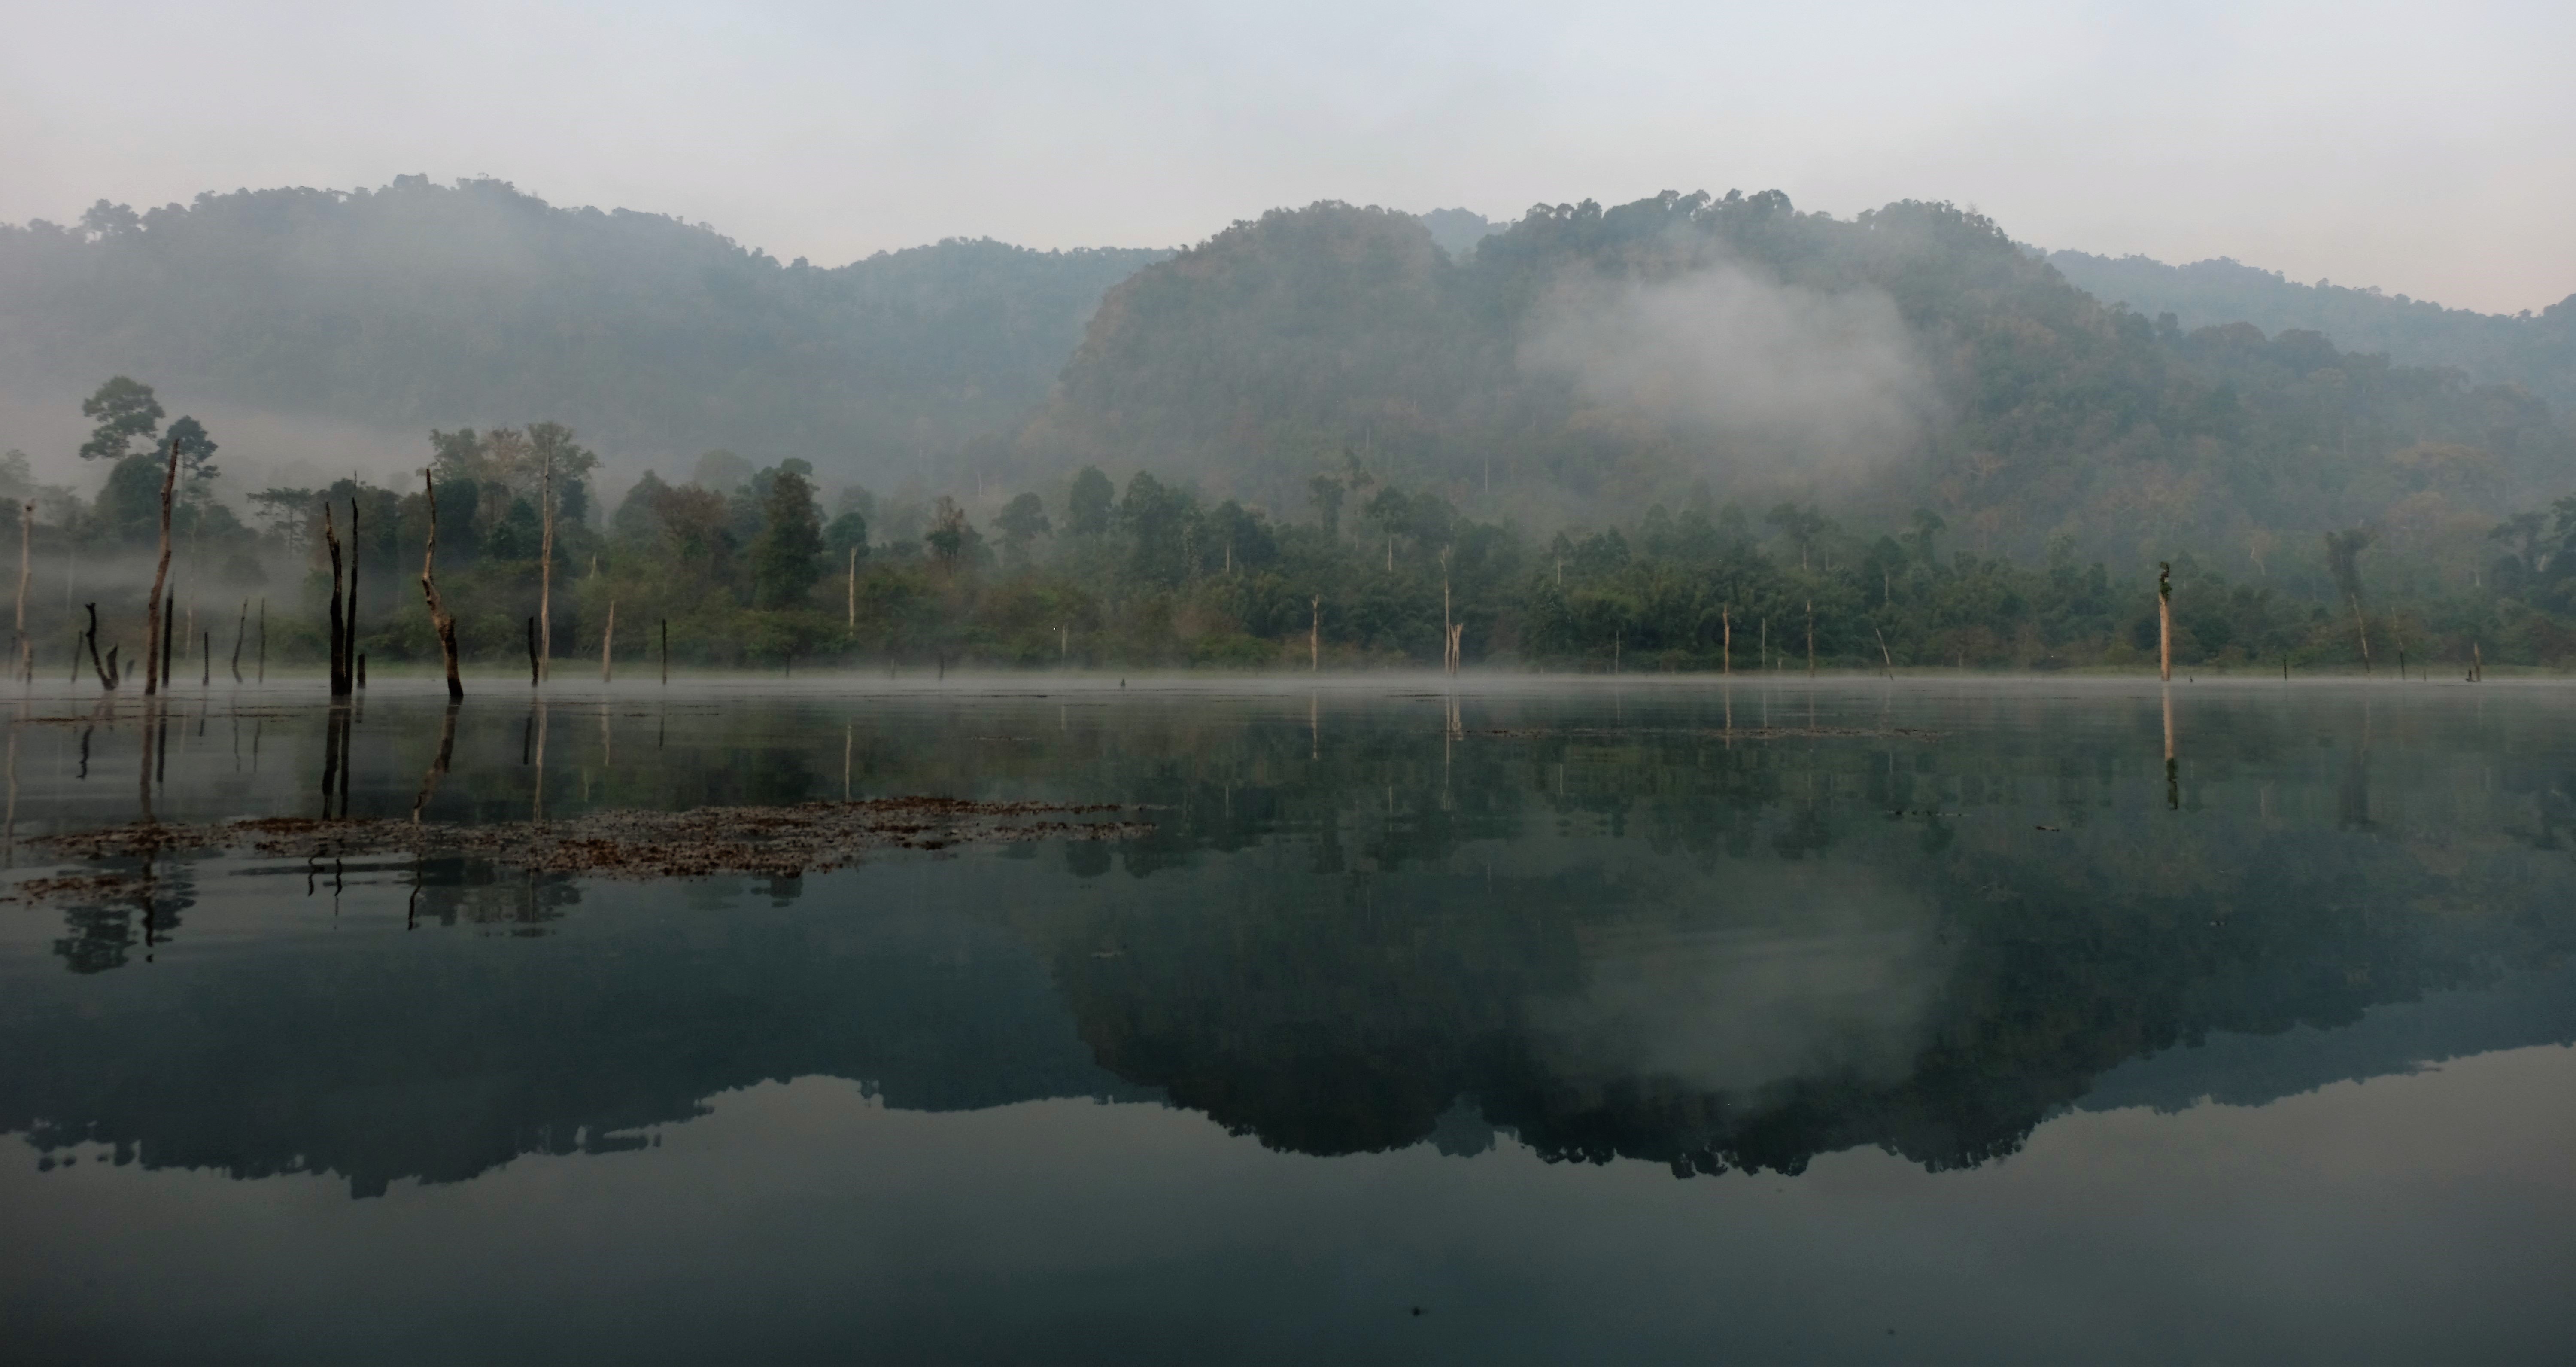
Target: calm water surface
1529, 1024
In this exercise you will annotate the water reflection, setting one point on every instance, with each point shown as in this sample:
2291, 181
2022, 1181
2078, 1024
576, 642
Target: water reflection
1610, 925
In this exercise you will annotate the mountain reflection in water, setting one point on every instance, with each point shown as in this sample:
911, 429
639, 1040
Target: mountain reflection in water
1645, 939
1609, 924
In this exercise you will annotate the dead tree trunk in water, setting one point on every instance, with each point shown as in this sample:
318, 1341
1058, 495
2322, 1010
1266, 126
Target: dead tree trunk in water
153, 646
2362, 625
440, 619
241, 629
437, 767
2164, 620
26, 571
546, 578
532, 652
607, 640
349, 618
339, 641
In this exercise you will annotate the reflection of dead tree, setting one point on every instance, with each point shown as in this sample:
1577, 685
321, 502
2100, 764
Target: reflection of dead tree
106, 669
336, 762
438, 767
443, 621
149, 744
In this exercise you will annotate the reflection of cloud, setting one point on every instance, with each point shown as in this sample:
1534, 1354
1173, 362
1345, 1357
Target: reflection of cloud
1840, 986
1792, 379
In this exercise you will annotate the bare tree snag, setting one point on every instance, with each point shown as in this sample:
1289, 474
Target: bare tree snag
546, 576
26, 571
153, 646
339, 642
241, 629
349, 629
440, 619
2164, 620
607, 640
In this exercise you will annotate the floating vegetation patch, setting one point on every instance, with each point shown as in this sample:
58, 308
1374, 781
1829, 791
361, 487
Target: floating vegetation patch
1714, 732
781, 842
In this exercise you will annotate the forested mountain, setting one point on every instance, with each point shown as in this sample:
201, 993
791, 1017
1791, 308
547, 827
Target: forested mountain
419, 305
1589, 362
2536, 351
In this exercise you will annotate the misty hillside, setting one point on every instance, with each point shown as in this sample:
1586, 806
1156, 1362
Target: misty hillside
420, 305
2536, 351
1593, 361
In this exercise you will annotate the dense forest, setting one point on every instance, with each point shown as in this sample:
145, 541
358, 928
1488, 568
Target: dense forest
1587, 362
1687, 432
2536, 351
756, 566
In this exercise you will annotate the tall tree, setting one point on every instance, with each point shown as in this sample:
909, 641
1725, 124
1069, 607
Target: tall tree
785, 556
1087, 509
125, 413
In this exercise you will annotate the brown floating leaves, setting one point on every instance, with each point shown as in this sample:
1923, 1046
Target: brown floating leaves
810, 837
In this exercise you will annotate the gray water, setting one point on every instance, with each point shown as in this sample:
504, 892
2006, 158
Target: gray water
1945, 1021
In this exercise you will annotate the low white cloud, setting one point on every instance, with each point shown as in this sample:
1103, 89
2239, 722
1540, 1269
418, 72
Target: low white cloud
1774, 379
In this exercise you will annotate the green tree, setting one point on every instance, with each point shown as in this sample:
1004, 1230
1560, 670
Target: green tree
1022, 522
786, 558
125, 412
1087, 510
196, 450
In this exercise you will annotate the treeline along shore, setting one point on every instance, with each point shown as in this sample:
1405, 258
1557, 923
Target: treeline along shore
738, 567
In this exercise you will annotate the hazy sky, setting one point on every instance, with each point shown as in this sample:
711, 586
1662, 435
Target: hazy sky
2422, 148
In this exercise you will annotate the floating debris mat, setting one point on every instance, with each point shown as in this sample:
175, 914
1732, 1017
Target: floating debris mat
1712, 732
810, 837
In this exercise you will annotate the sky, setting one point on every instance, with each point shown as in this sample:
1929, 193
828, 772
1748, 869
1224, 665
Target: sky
2423, 149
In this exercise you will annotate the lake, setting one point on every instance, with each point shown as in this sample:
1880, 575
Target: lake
1366, 1020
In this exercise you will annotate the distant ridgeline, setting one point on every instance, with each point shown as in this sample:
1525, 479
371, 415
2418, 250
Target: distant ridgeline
1578, 365
1587, 362
2536, 351
418, 305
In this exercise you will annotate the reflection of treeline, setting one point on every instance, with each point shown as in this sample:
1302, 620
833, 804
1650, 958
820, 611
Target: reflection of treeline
1355, 1020
1338, 928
